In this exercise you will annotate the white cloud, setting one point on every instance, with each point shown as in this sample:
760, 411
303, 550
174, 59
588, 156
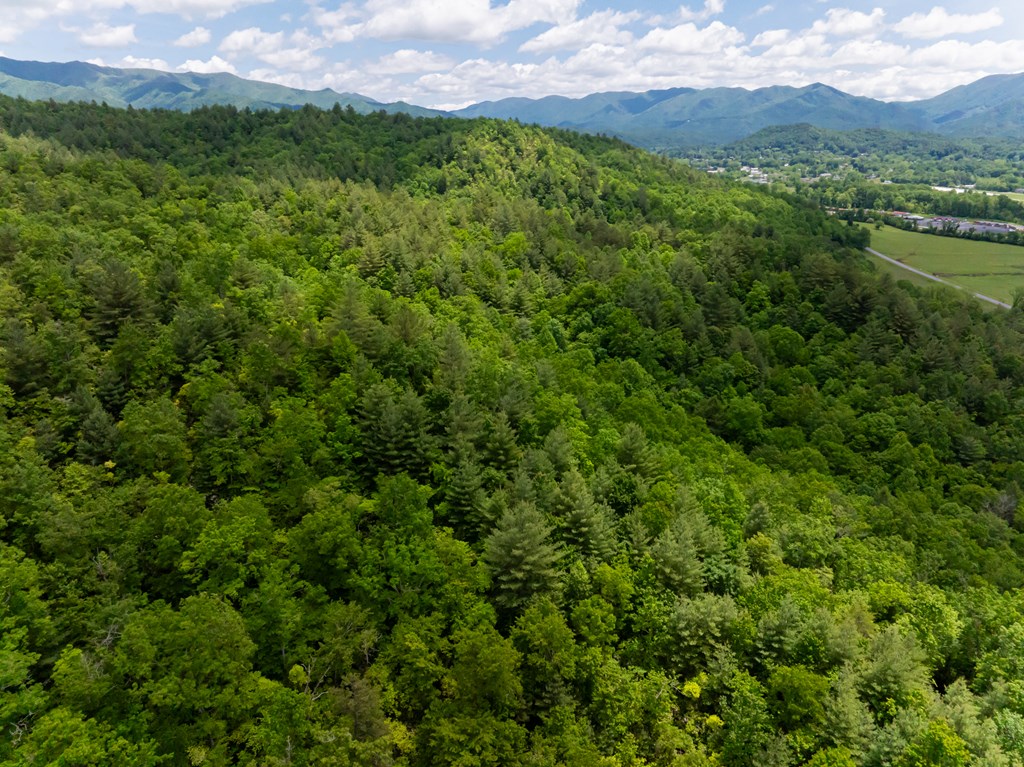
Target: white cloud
955, 56
596, 61
474, 21
101, 35
295, 52
868, 53
338, 26
131, 62
689, 38
804, 51
598, 27
290, 80
711, 8
764, 9
940, 23
770, 37
21, 15
842, 22
211, 9
407, 61
213, 64
198, 36
251, 40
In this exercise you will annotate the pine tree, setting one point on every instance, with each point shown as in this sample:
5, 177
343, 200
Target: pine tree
501, 450
395, 436
118, 296
464, 500
676, 562
521, 558
583, 523
99, 435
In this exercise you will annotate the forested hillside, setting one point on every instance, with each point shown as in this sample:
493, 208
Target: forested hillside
342, 440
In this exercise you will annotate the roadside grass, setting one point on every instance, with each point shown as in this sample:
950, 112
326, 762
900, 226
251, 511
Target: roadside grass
989, 268
901, 274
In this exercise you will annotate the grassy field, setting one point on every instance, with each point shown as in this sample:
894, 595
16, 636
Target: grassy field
1013, 196
982, 267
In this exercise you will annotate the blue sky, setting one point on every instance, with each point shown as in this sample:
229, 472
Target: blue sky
448, 53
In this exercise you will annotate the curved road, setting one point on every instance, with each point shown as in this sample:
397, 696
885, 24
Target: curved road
918, 272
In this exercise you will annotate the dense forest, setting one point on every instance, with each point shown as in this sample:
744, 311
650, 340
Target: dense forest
332, 439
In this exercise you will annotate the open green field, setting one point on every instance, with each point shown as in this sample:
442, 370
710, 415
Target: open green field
902, 274
983, 267
1013, 196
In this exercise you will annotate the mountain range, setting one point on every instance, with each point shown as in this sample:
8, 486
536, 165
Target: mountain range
658, 119
154, 89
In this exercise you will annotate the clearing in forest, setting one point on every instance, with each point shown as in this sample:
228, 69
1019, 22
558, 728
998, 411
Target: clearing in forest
990, 268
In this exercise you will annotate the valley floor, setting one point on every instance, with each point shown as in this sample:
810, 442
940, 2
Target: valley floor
986, 269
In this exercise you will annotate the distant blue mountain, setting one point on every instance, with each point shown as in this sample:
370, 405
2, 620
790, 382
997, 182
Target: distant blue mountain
715, 115
993, 106
150, 88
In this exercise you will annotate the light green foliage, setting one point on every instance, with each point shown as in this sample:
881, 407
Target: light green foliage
937, 746
67, 738
231, 550
153, 439
892, 674
25, 629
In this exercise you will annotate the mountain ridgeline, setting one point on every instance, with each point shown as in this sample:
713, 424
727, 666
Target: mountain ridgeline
660, 119
153, 89
329, 439
991, 107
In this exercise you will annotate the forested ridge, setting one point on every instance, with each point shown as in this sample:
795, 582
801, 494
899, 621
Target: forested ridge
340, 440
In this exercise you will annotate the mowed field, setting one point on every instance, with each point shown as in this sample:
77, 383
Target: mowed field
989, 268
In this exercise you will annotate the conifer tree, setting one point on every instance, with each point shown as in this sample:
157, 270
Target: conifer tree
521, 557
583, 523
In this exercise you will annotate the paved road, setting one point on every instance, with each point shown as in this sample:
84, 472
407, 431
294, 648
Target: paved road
902, 265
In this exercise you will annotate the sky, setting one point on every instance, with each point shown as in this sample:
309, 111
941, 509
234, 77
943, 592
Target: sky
450, 53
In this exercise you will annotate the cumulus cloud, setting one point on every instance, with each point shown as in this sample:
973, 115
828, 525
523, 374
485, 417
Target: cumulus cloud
105, 36
770, 37
711, 8
210, 66
131, 62
842, 22
475, 21
19, 16
198, 36
868, 52
599, 27
801, 51
940, 23
211, 9
956, 56
407, 61
689, 38
295, 52
338, 26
